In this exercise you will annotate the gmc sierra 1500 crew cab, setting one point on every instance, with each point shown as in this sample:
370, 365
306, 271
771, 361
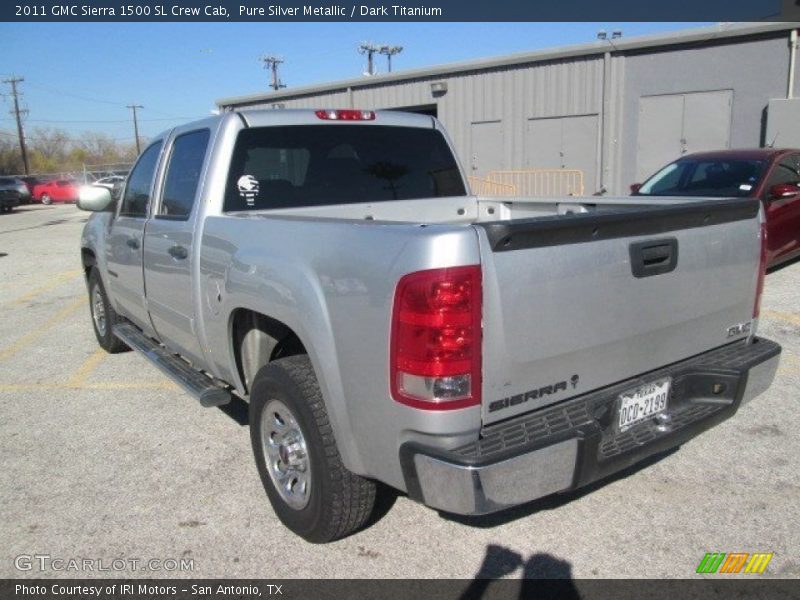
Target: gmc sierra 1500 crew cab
332, 268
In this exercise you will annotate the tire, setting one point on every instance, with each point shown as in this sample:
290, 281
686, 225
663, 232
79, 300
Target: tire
45, 198
322, 501
104, 317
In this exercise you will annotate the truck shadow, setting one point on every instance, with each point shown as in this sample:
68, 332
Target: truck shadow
543, 576
551, 502
236, 409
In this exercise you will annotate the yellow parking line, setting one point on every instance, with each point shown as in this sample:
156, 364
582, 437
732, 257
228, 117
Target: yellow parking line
789, 317
89, 365
35, 334
158, 385
32, 387
786, 355
790, 363
53, 282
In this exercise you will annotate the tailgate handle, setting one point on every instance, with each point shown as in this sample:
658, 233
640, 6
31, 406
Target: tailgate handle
654, 257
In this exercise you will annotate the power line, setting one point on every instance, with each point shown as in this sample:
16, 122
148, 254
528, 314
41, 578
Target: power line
271, 63
13, 81
71, 95
69, 138
101, 101
57, 121
133, 107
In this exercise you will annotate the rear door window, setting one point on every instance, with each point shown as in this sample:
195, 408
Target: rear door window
312, 165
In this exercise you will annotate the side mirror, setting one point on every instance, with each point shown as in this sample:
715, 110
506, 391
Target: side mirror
784, 190
635, 188
94, 198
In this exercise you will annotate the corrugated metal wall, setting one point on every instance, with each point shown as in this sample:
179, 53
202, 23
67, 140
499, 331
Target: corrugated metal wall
755, 69
512, 95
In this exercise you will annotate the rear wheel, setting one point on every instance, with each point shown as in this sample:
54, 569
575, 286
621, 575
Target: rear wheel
46, 199
104, 317
309, 488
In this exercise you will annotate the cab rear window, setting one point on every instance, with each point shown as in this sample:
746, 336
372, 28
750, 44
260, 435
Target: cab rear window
312, 165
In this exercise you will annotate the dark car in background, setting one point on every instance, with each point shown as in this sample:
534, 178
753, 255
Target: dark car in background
769, 174
13, 192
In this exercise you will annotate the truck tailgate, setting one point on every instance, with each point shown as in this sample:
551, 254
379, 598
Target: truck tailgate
576, 302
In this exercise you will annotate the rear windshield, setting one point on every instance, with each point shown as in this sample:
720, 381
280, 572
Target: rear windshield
312, 165
721, 177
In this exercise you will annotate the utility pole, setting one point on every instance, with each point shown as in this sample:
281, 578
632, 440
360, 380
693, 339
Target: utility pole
13, 81
390, 51
271, 63
133, 107
370, 50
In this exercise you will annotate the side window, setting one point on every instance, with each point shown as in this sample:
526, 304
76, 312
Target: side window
183, 174
137, 192
786, 171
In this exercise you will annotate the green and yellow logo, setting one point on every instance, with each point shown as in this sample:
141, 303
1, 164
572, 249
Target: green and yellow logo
734, 562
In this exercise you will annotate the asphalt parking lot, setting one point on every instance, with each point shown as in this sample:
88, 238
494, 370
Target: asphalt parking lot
101, 457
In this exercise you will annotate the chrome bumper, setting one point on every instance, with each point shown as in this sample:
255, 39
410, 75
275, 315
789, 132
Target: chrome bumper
569, 445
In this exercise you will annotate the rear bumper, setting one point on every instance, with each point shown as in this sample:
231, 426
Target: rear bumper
575, 442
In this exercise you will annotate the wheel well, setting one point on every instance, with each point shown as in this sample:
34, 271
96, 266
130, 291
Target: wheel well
88, 260
259, 339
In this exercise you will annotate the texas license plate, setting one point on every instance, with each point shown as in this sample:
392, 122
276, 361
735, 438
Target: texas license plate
642, 402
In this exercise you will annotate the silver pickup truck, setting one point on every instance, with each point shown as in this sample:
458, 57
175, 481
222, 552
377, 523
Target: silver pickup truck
332, 268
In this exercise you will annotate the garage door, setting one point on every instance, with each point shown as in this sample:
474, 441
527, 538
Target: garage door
564, 143
676, 124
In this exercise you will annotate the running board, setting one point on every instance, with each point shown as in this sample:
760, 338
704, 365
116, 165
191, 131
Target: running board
197, 384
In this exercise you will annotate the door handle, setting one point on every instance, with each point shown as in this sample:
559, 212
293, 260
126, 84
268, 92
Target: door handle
133, 243
654, 257
178, 252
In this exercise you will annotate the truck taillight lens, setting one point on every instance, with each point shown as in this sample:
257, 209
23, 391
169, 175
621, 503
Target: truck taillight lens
346, 115
762, 271
435, 353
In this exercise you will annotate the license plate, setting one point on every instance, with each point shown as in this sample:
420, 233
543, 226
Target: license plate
642, 402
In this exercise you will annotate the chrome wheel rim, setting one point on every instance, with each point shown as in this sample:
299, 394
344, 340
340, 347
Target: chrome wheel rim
98, 311
45, 199
286, 454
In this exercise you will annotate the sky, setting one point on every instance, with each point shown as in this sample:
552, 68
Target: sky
80, 76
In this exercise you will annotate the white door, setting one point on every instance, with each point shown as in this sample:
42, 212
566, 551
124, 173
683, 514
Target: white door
707, 121
660, 133
676, 124
487, 147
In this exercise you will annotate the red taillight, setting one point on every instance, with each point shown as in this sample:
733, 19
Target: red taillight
346, 115
762, 271
435, 352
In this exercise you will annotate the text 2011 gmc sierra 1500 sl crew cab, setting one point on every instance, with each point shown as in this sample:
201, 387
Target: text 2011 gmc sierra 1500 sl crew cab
332, 268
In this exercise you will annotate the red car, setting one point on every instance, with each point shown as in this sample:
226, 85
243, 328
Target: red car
771, 175
57, 190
